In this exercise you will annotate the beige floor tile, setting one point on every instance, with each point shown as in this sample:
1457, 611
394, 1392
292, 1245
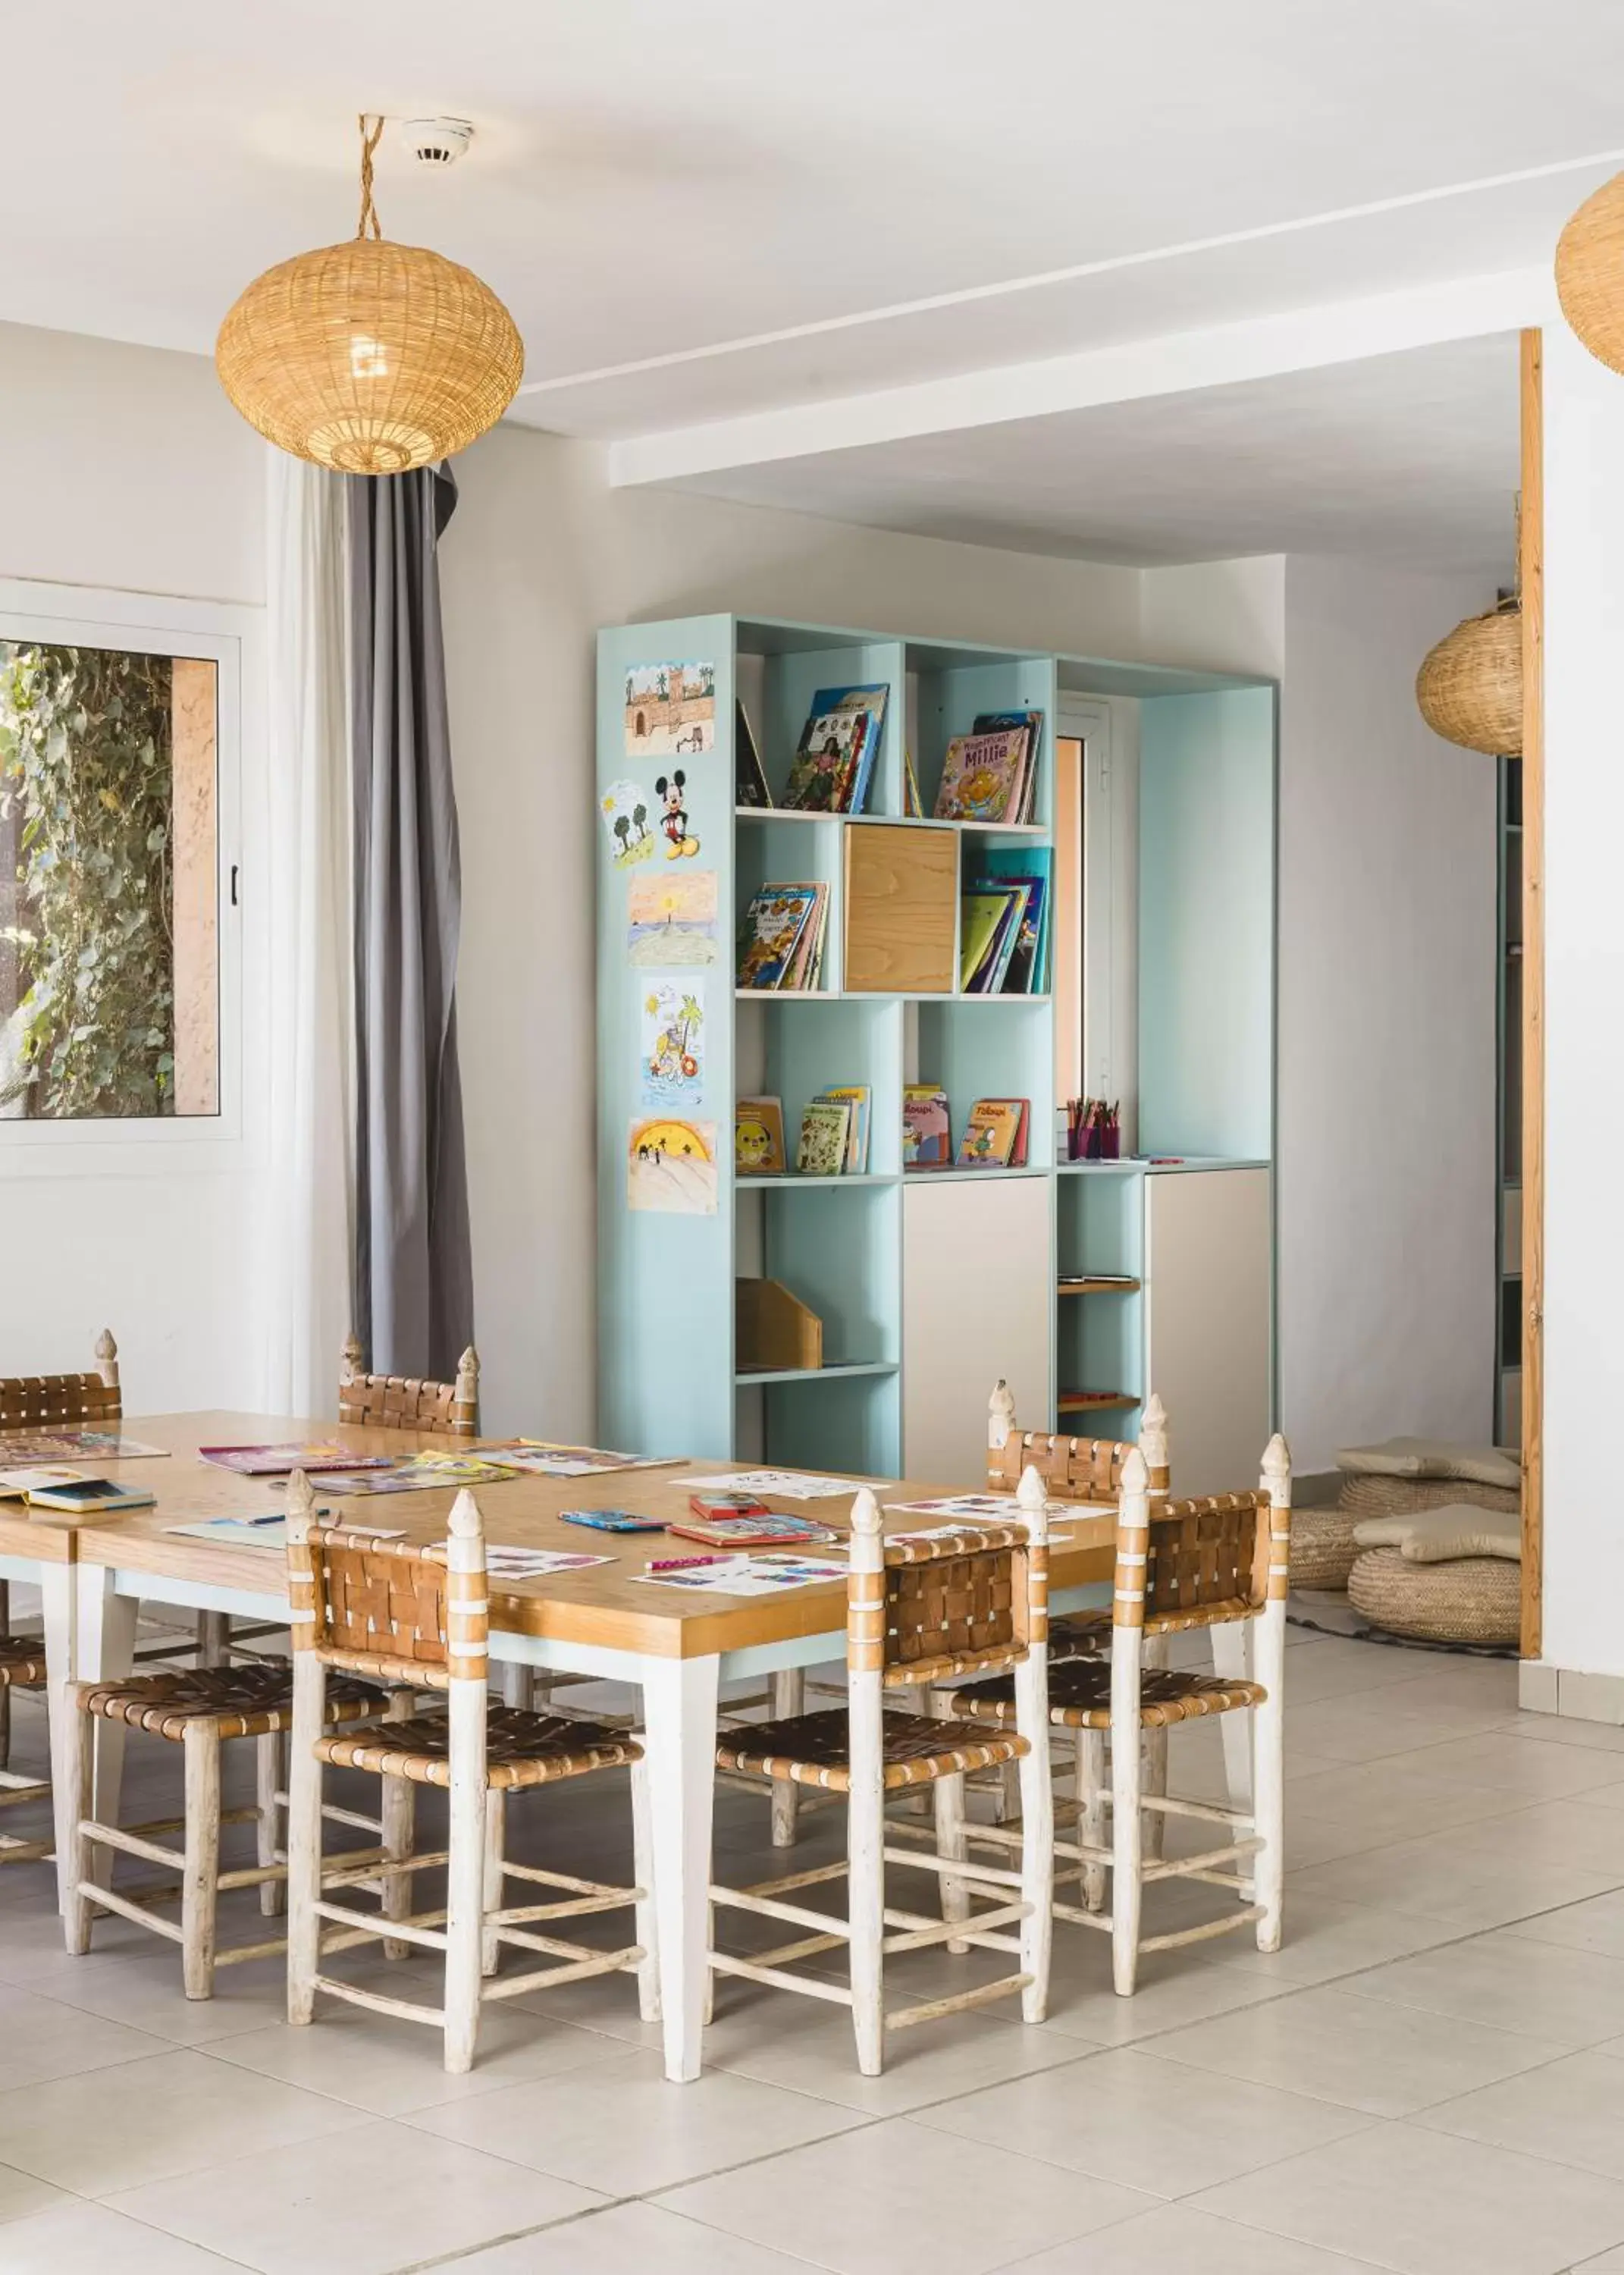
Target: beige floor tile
1359, 2052
1610, 2263
1421, 2204
630, 2239
1399, 1799
607, 2003
898, 2195
1175, 2241
1564, 1730
620, 2127
142, 2121
1439, 1878
809, 2049
142, 1987
364, 2201
40, 2038
1571, 2111
1562, 1833
1324, 1940
1507, 1763
1596, 1925
22, 2194
387, 2066
85, 2238
1150, 2124
1381, 1722
1576, 1998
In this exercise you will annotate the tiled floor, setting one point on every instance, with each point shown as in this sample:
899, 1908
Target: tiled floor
1429, 2078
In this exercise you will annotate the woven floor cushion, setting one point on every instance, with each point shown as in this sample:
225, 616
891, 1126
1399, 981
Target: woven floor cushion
1476, 1599
1402, 1496
1322, 1547
1436, 1458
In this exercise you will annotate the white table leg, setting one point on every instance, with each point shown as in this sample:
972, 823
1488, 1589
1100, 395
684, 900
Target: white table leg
57, 1594
104, 1651
1229, 1642
679, 1707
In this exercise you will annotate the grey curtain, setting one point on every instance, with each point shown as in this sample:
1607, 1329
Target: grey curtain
413, 1278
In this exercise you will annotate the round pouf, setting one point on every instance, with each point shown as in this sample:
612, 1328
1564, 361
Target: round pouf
1365, 1495
1473, 1599
1323, 1547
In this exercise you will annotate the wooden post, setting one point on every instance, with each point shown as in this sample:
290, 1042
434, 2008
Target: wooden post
350, 1359
200, 1872
1127, 1634
495, 1856
397, 1817
789, 1687
1154, 1444
267, 1766
76, 1756
467, 1392
866, 1802
1031, 1722
1532, 567
467, 1629
304, 1769
1268, 1721
106, 1358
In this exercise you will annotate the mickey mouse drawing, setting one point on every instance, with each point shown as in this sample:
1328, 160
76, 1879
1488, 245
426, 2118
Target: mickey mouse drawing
679, 844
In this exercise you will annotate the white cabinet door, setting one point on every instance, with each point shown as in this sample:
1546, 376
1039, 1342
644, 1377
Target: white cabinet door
1209, 1322
977, 1302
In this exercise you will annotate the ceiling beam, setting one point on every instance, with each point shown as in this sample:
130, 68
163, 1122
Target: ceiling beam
1259, 347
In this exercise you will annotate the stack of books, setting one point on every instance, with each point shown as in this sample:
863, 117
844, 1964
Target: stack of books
927, 1134
833, 1139
781, 941
834, 763
991, 774
1004, 928
996, 1135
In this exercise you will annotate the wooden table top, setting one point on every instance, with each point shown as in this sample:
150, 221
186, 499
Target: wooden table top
601, 1604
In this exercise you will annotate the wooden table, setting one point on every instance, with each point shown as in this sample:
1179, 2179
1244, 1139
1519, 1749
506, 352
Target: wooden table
677, 1648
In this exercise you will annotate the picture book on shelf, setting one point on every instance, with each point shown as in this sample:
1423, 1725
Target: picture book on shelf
1022, 963
749, 782
996, 1135
1031, 722
987, 920
782, 936
983, 776
927, 1134
913, 804
758, 1137
825, 1125
854, 1094
835, 762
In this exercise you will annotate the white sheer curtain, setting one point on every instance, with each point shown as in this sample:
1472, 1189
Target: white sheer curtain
309, 1216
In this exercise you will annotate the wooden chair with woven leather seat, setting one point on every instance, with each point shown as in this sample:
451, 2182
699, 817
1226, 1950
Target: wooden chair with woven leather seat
1180, 1565
422, 1616
92, 1400
919, 1610
199, 1709
400, 1401
22, 1666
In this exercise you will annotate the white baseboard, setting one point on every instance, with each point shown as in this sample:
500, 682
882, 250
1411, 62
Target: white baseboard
1545, 1690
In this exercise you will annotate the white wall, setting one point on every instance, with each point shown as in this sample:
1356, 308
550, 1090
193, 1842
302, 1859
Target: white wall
124, 467
1387, 1077
1584, 1005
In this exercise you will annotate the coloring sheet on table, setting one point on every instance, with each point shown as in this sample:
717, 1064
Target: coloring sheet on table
534, 1563
788, 1485
750, 1576
991, 1509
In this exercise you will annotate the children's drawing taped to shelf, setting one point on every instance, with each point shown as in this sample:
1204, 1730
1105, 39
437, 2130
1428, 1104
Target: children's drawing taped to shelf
672, 1052
628, 811
670, 710
671, 918
671, 1166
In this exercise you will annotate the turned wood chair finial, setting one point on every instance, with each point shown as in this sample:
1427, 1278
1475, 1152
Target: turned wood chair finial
1000, 1417
1154, 1444
350, 1358
106, 1358
468, 1378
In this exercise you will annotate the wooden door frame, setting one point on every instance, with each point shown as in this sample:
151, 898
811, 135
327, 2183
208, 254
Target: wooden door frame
1530, 567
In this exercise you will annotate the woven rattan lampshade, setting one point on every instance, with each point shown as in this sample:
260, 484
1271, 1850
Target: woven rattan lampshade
1589, 273
370, 357
1470, 688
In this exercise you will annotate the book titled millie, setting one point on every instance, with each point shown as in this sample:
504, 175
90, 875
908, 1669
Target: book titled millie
991, 774
781, 941
834, 763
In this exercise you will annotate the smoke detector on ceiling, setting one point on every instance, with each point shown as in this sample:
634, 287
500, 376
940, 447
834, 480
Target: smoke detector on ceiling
437, 141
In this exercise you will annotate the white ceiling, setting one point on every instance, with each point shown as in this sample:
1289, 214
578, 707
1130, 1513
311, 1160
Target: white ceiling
1410, 457
714, 206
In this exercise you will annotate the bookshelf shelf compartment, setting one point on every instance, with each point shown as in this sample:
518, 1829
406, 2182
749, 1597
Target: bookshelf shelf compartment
792, 1181
1093, 1402
844, 1370
1100, 1287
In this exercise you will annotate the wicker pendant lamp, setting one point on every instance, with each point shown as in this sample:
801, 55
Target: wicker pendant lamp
371, 358
1470, 688
1589, 273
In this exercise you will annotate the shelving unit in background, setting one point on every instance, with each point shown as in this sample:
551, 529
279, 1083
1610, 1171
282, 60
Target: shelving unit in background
928, 1285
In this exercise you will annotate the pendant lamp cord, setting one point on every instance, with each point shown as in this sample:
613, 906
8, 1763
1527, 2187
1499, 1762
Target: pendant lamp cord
369, 225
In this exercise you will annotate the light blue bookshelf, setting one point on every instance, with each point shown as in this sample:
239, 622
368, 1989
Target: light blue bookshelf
854, 1249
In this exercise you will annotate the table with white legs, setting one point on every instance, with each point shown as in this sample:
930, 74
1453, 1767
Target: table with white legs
604, 1622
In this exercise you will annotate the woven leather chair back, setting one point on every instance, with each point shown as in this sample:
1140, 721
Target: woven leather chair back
959, 1605
380, 1607
399, 1402
31, 1402
1072, 1468
1204, 1561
